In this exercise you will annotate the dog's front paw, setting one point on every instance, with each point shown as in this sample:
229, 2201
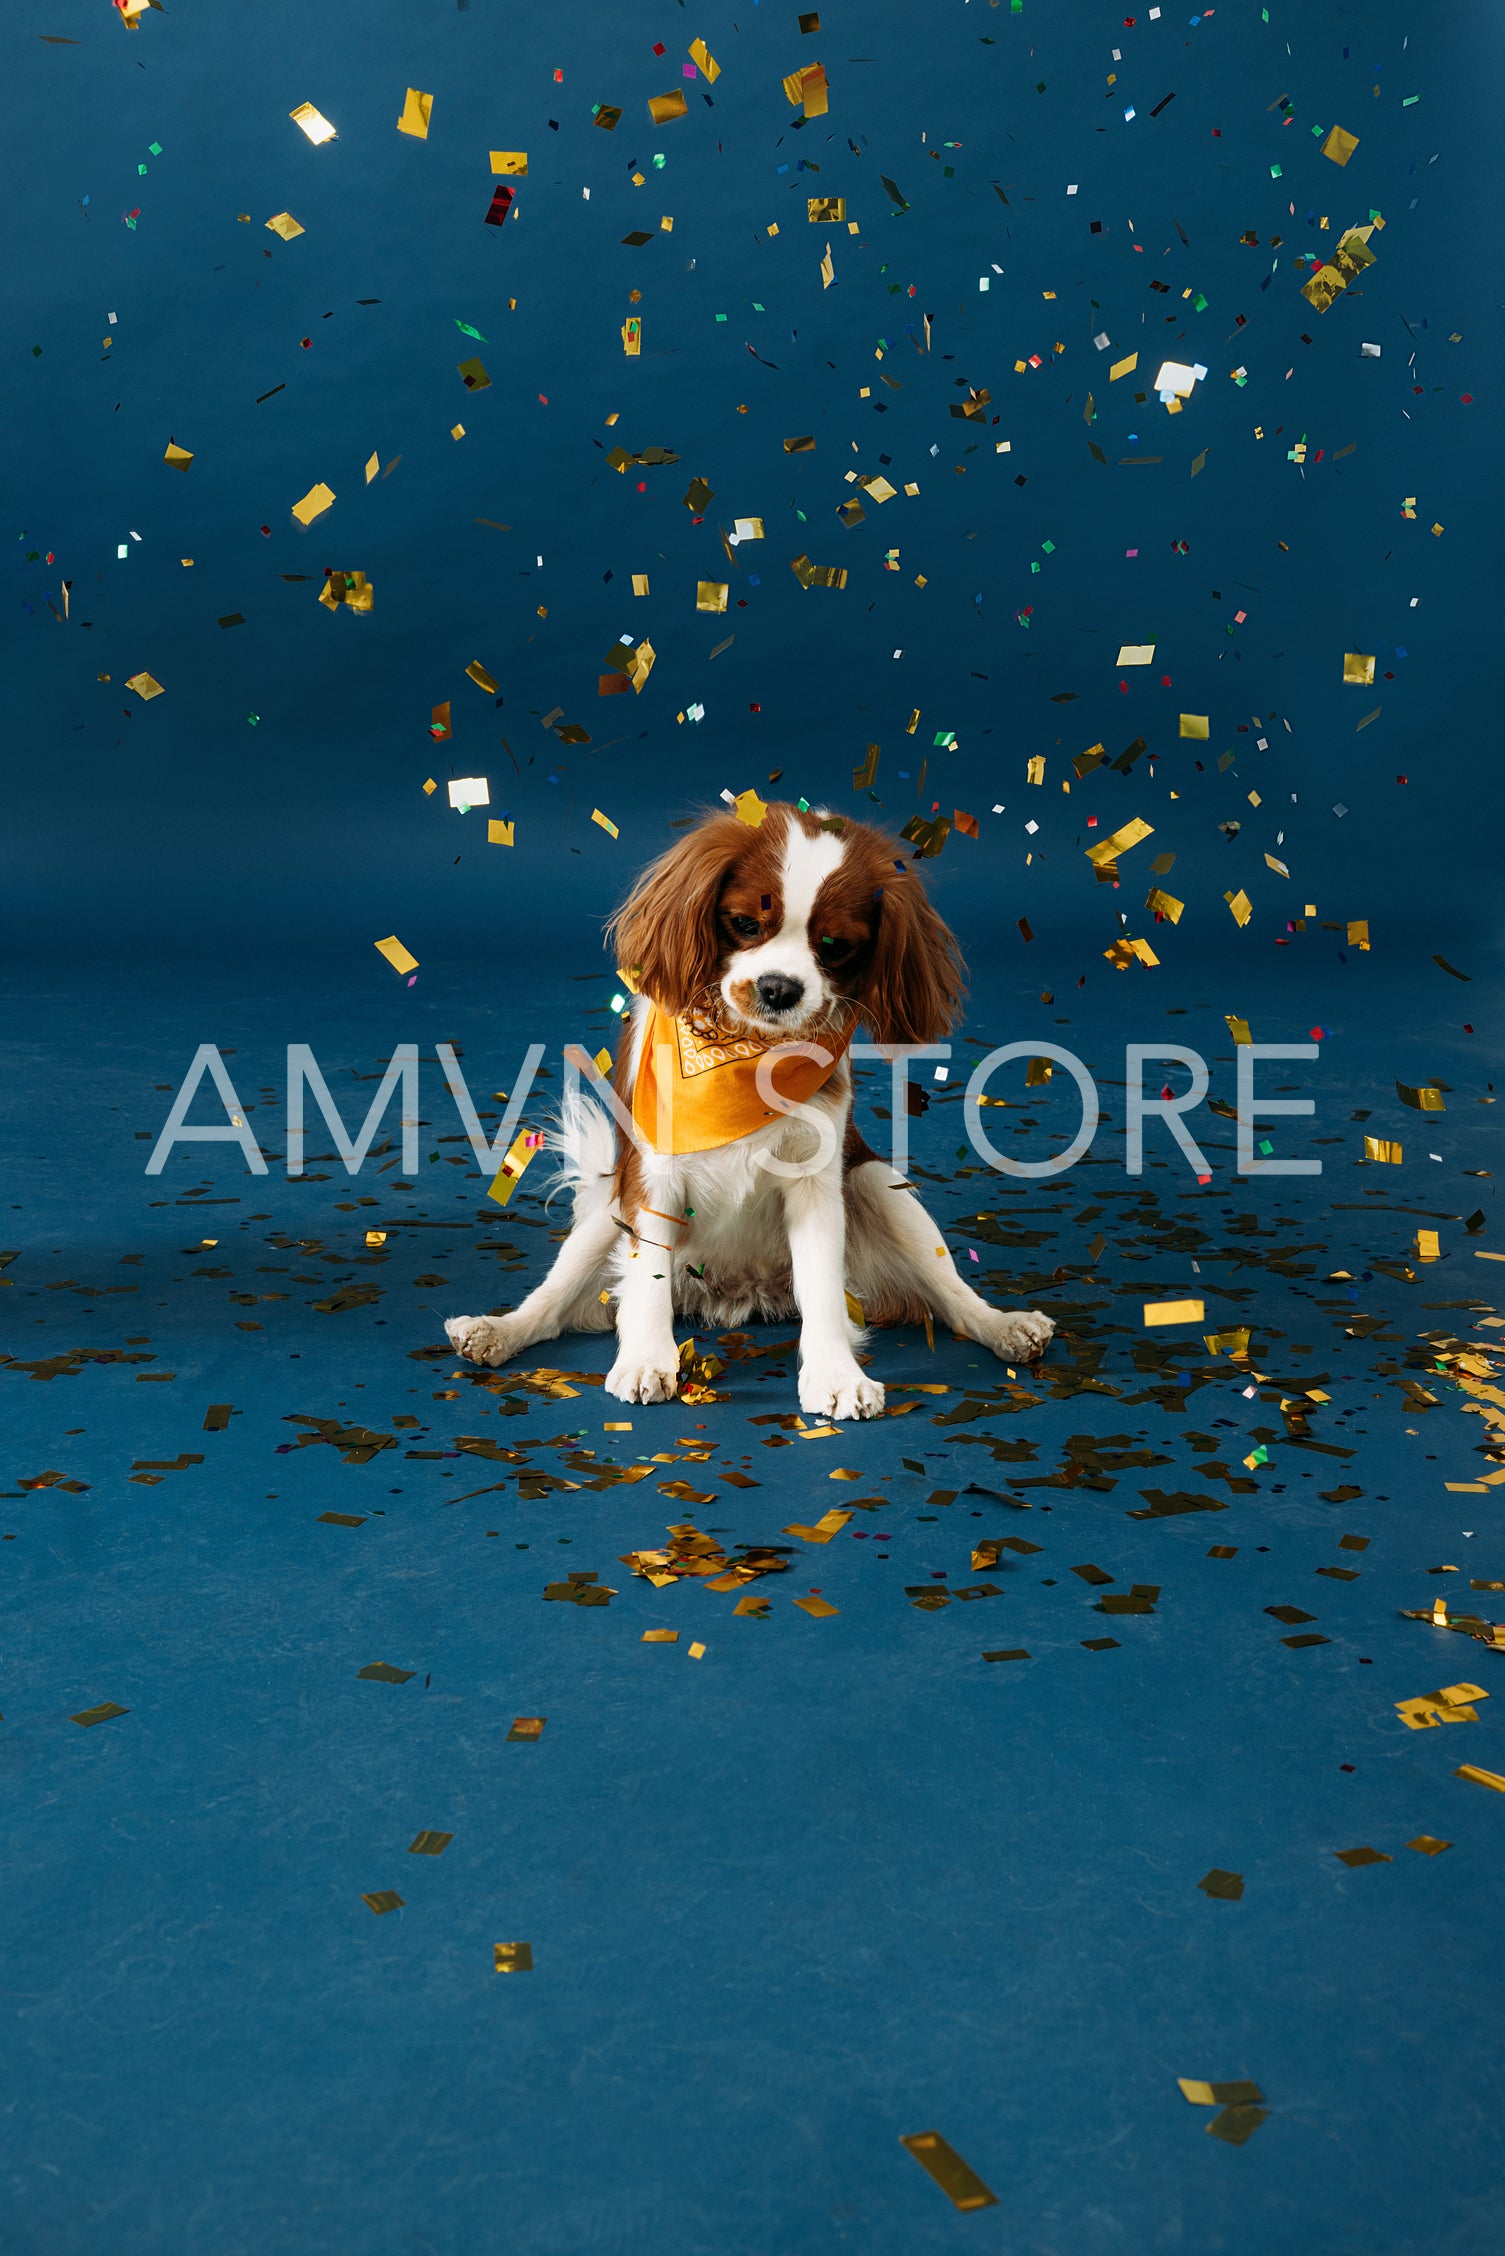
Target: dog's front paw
640, 1379
842, 1392
483, 1339
1021, 1335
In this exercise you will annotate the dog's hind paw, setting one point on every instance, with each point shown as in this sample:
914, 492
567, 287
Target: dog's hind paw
1020, 1335
483, 1339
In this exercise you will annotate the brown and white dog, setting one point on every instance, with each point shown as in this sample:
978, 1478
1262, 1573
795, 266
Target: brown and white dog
744, 1189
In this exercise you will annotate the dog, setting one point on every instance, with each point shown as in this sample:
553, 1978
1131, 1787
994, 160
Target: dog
736, 1184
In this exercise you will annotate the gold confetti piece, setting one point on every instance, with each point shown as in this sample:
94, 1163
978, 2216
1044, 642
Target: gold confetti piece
602, 1062
1164, 904
819, 1608
830, 1523
1347, 262
1240, 906
1238, 1028
102, 1714
472, 374
1123, 368
817, 575
1427, 1844
396, 954
1237, 2124
808, 86
1240, 2094
750, 809
664, 108
711, 595
349, 591
430, 1844
1137, 654
1223, 1887
1234, 1342
1478, 1777
384, 1899
854, 1310
1173, 1312
512, 161
822, 210
604, 821
1426, 1099
314, 503
144, 685
957, 2180
705, 61
416, 111
661, 1637
382, 1672
1428, 1245
1453, 1704
528, 1727
284, 224
376, 1237
640, 583
1340, 145
1281, 871
512, 1958
520, 1153
1357, 668
1194, 725
500, 833
312, 122
178, 457
632, 337
1109, 849
1355, 1859
477, 673
372, 466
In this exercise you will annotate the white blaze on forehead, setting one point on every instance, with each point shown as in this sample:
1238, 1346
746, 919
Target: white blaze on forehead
808, 862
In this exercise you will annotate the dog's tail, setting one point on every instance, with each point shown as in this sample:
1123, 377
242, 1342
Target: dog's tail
583, 1141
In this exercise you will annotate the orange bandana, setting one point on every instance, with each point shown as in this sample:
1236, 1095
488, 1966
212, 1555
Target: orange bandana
709, 1087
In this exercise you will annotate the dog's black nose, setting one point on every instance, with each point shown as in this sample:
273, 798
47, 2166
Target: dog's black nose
778, 993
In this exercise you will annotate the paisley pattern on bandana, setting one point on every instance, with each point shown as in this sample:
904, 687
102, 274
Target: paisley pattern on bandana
710, 1096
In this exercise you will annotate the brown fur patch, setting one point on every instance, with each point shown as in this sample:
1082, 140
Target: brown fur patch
885, 1314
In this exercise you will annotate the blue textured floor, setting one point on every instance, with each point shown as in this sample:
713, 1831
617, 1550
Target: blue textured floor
840, 1880
837, 1881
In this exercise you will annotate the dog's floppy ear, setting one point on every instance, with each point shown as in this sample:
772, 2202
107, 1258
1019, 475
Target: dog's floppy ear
665, 933
915, 979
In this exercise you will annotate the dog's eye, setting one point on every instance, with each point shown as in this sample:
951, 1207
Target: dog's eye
746, 928
834, 951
